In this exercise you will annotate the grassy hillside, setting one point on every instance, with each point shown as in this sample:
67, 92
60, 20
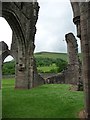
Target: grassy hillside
46, 101
47, 62
52, 55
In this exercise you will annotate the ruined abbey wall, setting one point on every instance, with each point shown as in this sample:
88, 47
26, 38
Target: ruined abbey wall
72, 74
73, 58
22, 18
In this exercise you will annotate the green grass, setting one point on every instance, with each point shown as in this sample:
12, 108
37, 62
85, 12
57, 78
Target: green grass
46, 101
47, 69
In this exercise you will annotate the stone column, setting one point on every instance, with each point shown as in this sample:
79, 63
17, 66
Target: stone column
82, 19
0, 81
73, 58
0, 65
72, 48
25, 67
85, 43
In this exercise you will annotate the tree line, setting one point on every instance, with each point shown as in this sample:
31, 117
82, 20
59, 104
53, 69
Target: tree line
8, 68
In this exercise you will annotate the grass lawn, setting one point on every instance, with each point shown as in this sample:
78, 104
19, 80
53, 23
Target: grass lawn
46, 101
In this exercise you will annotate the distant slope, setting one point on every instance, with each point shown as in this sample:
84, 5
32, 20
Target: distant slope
45, 61
52, 55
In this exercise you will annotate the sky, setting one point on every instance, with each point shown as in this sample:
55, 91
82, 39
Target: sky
54, 21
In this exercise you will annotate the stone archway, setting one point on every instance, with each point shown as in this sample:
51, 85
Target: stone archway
22, 18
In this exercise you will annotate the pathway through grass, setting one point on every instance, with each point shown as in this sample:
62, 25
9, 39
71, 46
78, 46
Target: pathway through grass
46, 101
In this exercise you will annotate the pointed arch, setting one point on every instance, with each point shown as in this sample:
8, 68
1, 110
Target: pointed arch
15, 25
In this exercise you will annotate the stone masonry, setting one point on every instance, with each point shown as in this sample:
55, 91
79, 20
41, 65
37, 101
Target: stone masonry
73, 58
81, 18
72, 74
22, 18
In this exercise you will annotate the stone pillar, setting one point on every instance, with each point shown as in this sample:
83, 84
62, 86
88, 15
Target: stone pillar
72, 48
0, 50
84, 30
0, 64
73, 58
85, 43
25, 69
76, 16
0, 71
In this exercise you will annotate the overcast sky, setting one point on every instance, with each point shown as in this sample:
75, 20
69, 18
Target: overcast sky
55, 20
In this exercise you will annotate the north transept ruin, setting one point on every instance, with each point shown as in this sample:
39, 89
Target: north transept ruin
22, 18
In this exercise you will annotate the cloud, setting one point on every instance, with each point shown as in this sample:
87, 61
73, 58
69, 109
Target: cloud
55, 20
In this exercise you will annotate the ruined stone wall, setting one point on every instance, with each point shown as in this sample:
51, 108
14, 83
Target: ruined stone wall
4, 52
72, 49
56, 79
74, 68
22, 18
72, 74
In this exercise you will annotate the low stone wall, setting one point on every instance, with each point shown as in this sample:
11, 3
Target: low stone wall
55, 79
8, 76
46, 75
68, 76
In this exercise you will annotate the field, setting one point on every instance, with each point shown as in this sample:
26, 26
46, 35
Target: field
46, 101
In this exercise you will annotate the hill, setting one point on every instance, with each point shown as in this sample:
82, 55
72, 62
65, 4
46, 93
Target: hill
52, 55
47, 62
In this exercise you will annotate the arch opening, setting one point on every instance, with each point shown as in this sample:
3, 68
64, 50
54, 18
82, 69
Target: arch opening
6, 34
8, 66
8, 72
